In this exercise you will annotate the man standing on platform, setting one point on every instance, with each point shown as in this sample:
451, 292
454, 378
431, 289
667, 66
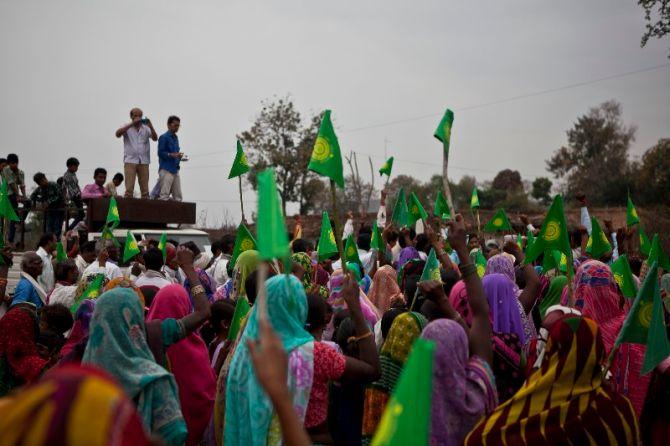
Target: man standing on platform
136, 151
169, 156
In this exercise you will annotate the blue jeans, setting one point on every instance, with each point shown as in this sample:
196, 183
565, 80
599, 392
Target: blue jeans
54, 221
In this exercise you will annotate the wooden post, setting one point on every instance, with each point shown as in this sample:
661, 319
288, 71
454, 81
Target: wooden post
445, 180
239, 178
336, 223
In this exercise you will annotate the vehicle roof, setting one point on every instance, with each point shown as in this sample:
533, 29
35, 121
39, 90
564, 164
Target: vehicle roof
122, 232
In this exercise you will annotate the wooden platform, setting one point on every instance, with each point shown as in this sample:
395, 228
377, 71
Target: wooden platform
138, 213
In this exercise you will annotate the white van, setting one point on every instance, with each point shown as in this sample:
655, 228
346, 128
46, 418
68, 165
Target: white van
200, 238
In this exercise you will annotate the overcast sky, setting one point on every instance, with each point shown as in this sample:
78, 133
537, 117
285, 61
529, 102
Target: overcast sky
71, 71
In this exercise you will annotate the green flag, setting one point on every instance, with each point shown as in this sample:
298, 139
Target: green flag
624, 277
645, 244
387, 167
519, 240
657, 255
61, 256
631, 213
553, 234
645, 323
327, 243
530, 239
351, 252
107, 234
244, 241
474, 199
498, 223
272, 237
130, 249
326, 158
91, 292
113, 219
242, 307
480, 263
441, 209
240, 164
400, 215
6, 208
416, 210
443, 131
431, 271
598, 244
554, 259
406, 418
377, 241
162, 246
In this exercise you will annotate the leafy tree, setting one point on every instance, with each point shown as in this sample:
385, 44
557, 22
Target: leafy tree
507, 180
279, 138
661, 26
541, 190
653, 175
595, 161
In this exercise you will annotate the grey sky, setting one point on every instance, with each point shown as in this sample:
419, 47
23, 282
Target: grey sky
71, 71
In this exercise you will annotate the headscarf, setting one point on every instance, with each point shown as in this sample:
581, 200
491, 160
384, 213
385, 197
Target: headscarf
246, 263
463, 387
564, 402
20, 361
458, 298
385, 290
249, 411
406, 254
71, 405
188, 361
336, 300
406, 328
502, 264
117, 343
553, 294
122, 282
74, 348
306, 263
503, 305
206, 283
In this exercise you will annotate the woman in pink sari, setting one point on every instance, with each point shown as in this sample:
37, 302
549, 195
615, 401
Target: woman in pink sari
188, 360
385, 290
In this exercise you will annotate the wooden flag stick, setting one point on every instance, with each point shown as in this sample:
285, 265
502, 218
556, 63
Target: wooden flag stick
336, 224
262, 291
239, 178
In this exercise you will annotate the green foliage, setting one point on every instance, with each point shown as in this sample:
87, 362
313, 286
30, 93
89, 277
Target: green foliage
659, 28
652, 175
541, 190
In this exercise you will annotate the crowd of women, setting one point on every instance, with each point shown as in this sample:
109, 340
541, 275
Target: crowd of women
518, 360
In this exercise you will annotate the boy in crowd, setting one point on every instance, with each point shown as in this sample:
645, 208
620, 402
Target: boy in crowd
97, 189
72, 191
48, 197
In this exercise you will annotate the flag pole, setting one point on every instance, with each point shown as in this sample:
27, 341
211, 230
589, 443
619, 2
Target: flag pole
571, 297
336, 223
479, 224
262, 291
239, 178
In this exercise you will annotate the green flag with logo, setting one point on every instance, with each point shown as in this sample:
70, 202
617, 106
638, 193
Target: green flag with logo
441, 209
61, 255
244, 241
443, 131
400, 216
326, 158
91, 292
242, 307
407, 416
553, 234
351, 252
386, 167
416, 210
530, 239
327, 242
598, 243
645, 244
624, 277
480, 263
657, 255
162, 246
554, 259
645, 323
498, 223
130, 249
113, 220
272, 237
6, 209
431, 271
240, 164
107, 234
631, 213
474, 199
377, 241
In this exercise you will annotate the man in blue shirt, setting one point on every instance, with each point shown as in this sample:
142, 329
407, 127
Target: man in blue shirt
169, 156
28, 289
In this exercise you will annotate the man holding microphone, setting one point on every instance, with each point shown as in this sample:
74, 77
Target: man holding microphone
169, 156
136, 151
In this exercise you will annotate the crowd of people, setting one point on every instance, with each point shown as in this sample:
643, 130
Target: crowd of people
62, 201
178, 348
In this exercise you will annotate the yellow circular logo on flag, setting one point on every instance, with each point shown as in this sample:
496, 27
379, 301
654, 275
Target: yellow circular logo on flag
115, 211
246, 245
619, 279
243, 160
633, 212
388, 423
415, 209
553, 231
589, 243
331, 237
498, 222
435, 275
481, 270
351, 251
644, 314
321, 150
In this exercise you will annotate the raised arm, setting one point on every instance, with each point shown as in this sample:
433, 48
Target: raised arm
154, 135
480, 329
122, 130
433, 290
529, 294
438, 246
201, 311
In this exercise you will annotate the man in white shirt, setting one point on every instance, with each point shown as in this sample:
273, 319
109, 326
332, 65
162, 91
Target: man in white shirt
103, 264
136, 151
45, 247
218, 271
85, 257
153, 262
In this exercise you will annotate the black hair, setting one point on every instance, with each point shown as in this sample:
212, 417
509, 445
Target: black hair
99, 170
57, 317
363, 241
118, 176
12, 158
345, 331
63, 269
191, 246
72, 162
301, 245
39, 176
392, 236
3, 160
149, 292
251, 288
87, 246
422, 244
153, 259
217, 245
228, 243
635, 265
221, 310
401, 240
173, 242
172, 119
316, 312
449, 279
430, 310
388, 318
46, 238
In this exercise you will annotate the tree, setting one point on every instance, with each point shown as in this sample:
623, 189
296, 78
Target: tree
278, 138
508, 180
595, 161
541, 190
659, 28
653, 175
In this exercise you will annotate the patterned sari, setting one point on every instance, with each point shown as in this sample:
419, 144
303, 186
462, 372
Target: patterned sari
385, 290
564, 402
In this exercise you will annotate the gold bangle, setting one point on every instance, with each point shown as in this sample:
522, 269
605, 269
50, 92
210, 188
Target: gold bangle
197, 289
359, 338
